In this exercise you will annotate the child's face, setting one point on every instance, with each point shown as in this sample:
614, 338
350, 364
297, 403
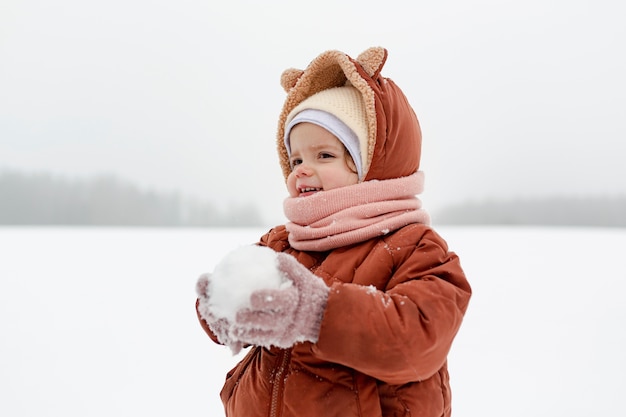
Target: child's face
319, 161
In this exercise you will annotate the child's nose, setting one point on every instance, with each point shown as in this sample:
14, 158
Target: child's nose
302, 169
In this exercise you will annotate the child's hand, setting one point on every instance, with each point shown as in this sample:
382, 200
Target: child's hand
219, 326
283, 317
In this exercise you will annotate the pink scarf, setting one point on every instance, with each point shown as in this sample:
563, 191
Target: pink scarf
343, 216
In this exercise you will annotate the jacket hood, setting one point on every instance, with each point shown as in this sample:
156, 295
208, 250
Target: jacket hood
394, 134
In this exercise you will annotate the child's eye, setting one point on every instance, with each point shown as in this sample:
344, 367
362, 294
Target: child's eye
296, 161
325, 155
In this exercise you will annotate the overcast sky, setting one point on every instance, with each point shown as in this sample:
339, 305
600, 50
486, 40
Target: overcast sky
514, 98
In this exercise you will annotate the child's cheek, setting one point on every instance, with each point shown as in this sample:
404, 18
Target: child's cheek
291, 185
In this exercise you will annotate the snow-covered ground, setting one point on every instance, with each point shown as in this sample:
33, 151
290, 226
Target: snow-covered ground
101, 322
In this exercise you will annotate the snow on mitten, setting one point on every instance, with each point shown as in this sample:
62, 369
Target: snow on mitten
284, 316
229, 288
220, 326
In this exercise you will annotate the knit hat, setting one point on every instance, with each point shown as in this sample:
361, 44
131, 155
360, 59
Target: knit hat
341, 111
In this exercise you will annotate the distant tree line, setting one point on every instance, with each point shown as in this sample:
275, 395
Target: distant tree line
553, 211
43, 199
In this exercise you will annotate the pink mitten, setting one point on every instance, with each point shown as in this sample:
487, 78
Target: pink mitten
285, 316
219, 326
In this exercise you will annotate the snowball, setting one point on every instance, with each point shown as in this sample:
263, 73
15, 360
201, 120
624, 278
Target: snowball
238, 275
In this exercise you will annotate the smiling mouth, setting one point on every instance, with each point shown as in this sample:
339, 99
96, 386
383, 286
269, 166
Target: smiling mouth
308, 190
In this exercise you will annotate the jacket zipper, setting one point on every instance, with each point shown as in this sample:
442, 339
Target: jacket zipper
279, 382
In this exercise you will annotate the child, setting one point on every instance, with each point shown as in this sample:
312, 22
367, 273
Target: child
373, 298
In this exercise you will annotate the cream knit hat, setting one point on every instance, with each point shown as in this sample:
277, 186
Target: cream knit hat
344, 103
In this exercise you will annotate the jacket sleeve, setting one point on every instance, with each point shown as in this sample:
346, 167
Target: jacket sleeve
402, 333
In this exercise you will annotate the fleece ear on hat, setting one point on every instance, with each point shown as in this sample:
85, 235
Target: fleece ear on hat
289, 78
372, 61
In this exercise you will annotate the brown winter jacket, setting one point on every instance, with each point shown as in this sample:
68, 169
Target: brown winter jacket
378, 354
395, 303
